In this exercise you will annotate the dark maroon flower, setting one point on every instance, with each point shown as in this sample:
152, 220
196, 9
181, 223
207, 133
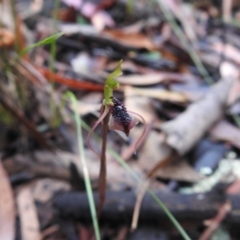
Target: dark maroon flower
120, 119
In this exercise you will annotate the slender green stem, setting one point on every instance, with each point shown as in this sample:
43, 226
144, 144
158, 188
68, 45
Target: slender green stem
84, 166
169, 214
53, 43
52, 60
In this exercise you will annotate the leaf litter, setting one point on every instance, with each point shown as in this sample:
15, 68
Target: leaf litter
192, 127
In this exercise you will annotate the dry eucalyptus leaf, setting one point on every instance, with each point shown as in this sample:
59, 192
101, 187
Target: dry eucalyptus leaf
142, 106
152, 152
225, 131
92, 97
117, 177
30, 228
85, 108
137, 40
6, 38
160, 94
179, 170
130, 67
7, 207
228, 50
152, 78
45, 189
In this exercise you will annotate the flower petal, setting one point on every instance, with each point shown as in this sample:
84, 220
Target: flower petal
116, 125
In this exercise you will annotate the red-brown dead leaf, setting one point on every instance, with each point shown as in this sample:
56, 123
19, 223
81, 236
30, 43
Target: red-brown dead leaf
70, 82
68, 14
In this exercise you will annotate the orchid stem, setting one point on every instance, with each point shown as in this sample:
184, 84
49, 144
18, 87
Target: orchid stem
103, 168
92, 130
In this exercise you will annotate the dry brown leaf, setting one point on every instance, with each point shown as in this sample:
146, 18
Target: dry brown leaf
6, 38
45, 189
89, 103
117, 177
160, 94
225, 131
85, 108
7, 207
152, 152
14, 25
136, 40
130, 67
30, 228
6, 16
229, 70
234, 93
152, 78
228, 50
142, 106
179, 170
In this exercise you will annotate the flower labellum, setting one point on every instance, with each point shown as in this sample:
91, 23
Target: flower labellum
120, 119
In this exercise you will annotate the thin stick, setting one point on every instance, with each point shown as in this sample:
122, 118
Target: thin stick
138, 204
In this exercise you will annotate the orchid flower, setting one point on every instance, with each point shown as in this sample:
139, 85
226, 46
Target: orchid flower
120, 118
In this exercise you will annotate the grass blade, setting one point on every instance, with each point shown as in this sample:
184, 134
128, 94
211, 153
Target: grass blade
84, 165
46, 41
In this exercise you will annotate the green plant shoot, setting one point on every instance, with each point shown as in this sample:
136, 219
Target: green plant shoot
45, 41
111, 84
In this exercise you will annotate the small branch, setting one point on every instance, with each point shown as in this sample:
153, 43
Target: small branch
216, 221
138, 203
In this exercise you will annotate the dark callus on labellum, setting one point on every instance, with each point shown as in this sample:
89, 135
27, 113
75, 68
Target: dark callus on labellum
120, 119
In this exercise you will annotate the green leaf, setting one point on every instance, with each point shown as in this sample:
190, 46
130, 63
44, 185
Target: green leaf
116, 73
111, 84
45, 41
